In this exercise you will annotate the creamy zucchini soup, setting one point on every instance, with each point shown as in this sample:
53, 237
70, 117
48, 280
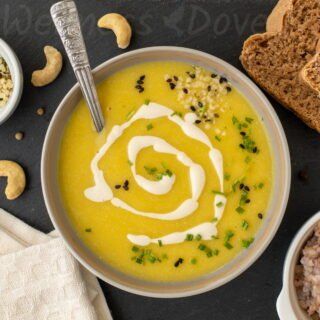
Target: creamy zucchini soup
178, 183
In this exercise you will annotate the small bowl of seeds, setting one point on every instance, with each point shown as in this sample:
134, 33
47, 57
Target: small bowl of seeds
11, 81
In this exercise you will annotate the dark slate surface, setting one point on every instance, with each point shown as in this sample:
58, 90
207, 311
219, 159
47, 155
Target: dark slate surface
217, 27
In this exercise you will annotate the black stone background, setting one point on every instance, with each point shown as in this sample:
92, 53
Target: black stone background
218, 27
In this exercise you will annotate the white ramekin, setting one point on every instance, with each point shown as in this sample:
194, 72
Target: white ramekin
287, 304
274, 213
17, 77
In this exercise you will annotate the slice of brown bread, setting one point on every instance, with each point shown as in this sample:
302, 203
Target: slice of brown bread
284, 59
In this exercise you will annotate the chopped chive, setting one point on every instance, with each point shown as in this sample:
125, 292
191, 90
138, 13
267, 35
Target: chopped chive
217, 138
176, 113
147, 101
135, 249
260, 185
193, 261
198, 237
201, 247
219, 204
189, 237
88, 230
227, 176
149, 126
215, 252
214, 219
245, 225
240, 210
228, 245
164, 256
247, 242
130, 114
160, 243
218, 192
249, 120
247, 159
229, 235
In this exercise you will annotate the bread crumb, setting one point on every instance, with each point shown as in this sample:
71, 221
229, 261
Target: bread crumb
40, 111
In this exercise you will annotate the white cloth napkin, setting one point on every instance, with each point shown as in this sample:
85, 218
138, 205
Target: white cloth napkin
39, 278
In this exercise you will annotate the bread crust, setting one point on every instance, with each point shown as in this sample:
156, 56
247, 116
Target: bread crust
276, 19
286, 81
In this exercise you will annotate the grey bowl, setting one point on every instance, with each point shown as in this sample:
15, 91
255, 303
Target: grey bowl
274, 214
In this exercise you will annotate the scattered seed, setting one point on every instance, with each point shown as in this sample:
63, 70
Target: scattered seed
260, 216
198, 121
40, 111
19, 136
192, 108
185, 90
175, 78
178, 262
117, 186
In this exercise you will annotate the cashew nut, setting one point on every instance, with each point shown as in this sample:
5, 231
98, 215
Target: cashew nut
16, 178
52, 69
119, 25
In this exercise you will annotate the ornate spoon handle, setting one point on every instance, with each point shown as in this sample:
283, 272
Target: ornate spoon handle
66, 19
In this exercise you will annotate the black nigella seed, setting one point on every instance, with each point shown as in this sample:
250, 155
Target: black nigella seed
209, 88
192, 108
241, 146
213, 75
117, 186
178, 262
192, 75
241, 186
216, 115
248, 201
141, 90
255, 150
138, 86
246, 188
260, 216
140, 81
175, 78
223, 79
142, 77
172, 85
198, 121
243, 133
228, 89
126, 183
200, 104
169, 80
185, 90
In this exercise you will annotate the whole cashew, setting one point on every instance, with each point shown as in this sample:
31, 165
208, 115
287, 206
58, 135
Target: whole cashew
52, 69
16, 178
119, 25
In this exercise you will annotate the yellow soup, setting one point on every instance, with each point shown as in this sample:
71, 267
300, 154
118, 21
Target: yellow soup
132, 217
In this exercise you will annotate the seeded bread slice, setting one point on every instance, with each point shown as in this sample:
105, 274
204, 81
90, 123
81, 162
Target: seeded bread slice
284, 59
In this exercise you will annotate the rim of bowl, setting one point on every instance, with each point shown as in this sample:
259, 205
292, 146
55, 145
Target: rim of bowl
264, 242
294, 251
17, 76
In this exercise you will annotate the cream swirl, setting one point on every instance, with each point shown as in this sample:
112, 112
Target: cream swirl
101, 191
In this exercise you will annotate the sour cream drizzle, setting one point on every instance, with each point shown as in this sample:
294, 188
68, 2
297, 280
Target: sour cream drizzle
102, 192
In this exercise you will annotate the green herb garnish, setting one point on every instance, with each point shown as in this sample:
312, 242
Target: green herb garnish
240, 210
149, 126
219, 204
193, 261
146, 102
245, 225
135, 249
217, 138
160, 243
88, 230
189, 237
247, 242
218, 192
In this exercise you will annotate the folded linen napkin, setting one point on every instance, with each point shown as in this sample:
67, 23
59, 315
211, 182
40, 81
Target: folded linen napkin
39, 278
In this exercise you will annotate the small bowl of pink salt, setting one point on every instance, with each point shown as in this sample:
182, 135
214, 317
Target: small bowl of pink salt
300, 295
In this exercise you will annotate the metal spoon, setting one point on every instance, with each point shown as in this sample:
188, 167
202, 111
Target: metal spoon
66, 19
